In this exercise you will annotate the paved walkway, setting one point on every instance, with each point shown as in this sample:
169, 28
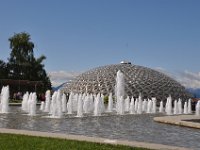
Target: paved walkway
179, 120
93, 139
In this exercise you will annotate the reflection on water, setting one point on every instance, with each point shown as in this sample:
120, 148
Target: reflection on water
127, 127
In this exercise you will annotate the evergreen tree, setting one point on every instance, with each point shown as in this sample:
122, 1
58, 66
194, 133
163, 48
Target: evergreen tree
3, 70
22, 63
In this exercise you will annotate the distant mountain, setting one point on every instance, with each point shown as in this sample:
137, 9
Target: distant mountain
194, 92
58, 87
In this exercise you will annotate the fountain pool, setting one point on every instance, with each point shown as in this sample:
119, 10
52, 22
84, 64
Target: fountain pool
138, 127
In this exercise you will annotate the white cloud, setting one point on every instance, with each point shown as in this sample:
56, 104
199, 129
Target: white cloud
59, 77
162, 70
186, 78
189, 79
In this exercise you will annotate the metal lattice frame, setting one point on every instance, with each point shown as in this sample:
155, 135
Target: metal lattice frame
138, 79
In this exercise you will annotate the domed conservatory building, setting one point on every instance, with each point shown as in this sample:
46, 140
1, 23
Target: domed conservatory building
138, 79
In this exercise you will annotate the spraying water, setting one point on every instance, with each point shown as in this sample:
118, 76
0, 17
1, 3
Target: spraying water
25, 102
185, 110
59, 104
86, 104
189, 107
180, 109
132, 106
149, 106
139, 106
4, 100
56, 105
70, 104
64, 103
127, 104
153, 105
97, 106
42, 106
47, 101
32, 104
102, 103
161, 107
136, 104
80, 106
197, 109
119, 92
169, 105
144, 106
110, 103
175, 107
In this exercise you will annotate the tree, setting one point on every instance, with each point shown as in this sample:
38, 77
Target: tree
22, 63
21, 55
3, 70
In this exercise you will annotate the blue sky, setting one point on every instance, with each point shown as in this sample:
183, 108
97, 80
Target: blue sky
78, 35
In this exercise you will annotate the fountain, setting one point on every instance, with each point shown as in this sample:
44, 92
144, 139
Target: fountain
64, 103
185, 110
80, 106
136, 104
56, 105
4, 100
161, 107
132, 106
59, 104
29, 102
119, 92
168, 108
149, 106
180, 109
74, 102
127, 104
32, 105
144, 106
88, 105
189, 107
102, 104
42, 106
139, 105
91, 108
47, 101
70, 104
97, 105
154, 105
83, 103
110, 103
175, 107
197, 109
25, 102
120, 109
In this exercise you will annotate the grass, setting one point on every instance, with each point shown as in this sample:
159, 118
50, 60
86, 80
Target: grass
22, 142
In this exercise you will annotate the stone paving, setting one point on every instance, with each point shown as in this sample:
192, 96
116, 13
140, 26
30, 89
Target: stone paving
180, 120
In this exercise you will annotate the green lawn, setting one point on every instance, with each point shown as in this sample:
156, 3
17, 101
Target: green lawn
22, 142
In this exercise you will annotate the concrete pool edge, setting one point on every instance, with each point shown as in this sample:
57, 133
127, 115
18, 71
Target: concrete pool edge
93, 139
179, 120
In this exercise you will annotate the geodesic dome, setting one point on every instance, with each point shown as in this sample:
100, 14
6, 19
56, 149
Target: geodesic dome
138, 79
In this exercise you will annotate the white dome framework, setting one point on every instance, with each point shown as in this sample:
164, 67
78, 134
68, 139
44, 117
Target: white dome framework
138, 79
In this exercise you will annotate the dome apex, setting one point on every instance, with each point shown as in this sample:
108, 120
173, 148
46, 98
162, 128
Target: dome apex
125, 62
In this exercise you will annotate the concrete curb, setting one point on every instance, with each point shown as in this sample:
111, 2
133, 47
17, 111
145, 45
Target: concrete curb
179, 120
93, 139
19, 104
